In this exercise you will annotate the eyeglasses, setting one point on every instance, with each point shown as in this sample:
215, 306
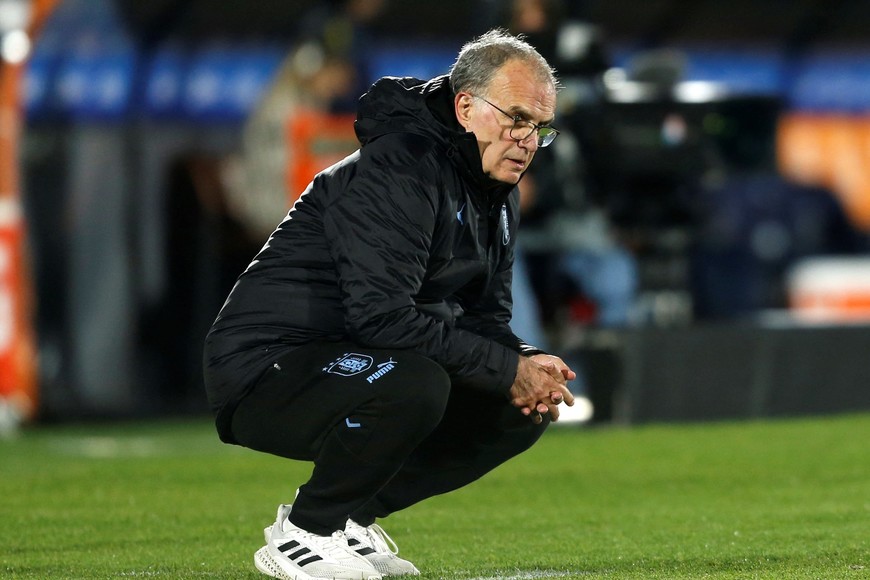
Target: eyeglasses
523, 128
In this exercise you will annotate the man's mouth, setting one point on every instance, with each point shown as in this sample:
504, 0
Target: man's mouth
518, 163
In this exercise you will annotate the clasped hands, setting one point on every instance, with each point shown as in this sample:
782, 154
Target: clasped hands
541, 385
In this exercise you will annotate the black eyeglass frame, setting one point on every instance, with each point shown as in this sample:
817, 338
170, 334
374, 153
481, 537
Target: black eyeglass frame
543, 140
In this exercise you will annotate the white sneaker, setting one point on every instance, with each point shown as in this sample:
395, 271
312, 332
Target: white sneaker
292, 553
373, 544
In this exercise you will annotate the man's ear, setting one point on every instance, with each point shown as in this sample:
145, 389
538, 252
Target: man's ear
463, 103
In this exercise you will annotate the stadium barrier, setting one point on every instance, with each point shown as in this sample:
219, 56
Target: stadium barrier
729, 371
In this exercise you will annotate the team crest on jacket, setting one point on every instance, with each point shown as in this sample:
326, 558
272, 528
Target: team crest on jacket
349, 364
505, 233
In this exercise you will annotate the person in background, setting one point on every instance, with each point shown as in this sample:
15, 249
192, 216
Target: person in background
371, 333
332, 49
323, 74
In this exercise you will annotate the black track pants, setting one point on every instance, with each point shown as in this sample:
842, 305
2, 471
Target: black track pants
383, 427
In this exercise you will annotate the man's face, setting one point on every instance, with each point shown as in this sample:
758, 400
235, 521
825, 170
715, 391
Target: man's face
516, 90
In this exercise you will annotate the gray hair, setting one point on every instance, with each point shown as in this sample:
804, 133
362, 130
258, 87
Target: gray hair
481, 58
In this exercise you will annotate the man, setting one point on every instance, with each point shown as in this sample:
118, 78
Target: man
370, 335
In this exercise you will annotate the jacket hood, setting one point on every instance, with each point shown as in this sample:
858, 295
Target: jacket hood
400, 105
425, 108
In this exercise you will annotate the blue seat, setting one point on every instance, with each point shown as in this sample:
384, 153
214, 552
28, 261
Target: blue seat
749, 71
832, 80
421, 61
225, 81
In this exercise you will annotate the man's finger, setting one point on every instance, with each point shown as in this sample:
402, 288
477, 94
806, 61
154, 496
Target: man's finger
565, 396
554, 413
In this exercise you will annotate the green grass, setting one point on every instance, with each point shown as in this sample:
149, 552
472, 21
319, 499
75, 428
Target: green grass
779, 499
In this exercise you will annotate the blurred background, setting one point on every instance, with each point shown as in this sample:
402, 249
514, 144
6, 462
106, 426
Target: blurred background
695, 242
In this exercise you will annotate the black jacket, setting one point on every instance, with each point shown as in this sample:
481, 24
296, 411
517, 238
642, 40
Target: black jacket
404, 244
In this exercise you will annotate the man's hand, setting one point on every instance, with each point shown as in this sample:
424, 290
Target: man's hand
541, 385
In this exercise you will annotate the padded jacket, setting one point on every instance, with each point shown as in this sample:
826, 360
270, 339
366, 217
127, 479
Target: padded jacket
404, 244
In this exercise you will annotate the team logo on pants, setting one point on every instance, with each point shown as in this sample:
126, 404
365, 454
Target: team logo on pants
349, 364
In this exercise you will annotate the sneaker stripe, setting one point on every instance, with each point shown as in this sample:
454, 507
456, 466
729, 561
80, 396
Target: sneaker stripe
307, 561
298, 553
363, 551
288, 546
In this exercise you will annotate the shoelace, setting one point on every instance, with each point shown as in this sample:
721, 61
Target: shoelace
381, 540
340, 538
333, 549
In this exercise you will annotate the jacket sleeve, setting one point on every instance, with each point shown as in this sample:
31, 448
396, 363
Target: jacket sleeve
380, 229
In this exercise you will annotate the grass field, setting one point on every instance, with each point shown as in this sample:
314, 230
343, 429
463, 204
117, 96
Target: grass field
783, 499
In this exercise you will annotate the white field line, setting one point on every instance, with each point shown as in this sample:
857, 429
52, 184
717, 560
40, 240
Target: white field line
516, 575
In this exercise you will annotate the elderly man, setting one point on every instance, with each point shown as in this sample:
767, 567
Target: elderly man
370, 335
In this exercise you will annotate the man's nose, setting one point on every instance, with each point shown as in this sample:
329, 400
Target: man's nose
530, 142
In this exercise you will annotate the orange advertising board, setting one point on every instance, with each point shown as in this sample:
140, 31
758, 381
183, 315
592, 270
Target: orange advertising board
832, 151
18, 369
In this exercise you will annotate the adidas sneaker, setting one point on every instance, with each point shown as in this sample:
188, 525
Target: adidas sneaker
292, 553
373, 544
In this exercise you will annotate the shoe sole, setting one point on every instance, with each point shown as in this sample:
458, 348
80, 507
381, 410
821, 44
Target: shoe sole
265, 563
